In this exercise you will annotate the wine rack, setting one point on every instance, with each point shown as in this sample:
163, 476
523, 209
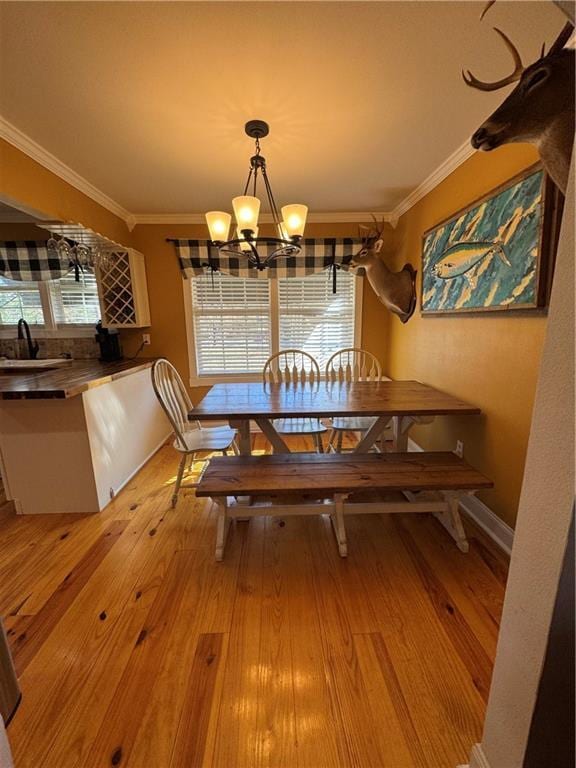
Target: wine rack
123, 291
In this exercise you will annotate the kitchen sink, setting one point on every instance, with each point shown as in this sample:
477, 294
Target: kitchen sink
29, 366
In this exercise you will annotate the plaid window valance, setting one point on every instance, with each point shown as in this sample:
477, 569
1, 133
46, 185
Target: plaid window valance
198, 256
26, 260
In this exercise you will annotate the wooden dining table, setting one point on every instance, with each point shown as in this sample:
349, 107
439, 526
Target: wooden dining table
402, 402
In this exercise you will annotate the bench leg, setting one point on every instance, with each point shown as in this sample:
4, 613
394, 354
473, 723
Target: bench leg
222, 527
337, 519
452, 521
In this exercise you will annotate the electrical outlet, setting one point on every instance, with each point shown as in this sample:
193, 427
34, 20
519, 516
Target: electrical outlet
146, 339
459, 448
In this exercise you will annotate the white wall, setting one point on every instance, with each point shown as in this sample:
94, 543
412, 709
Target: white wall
542, 530
126, 425
5, 756
46, 462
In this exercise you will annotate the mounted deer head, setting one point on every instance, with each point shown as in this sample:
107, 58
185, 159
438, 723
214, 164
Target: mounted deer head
396, 290
540, 110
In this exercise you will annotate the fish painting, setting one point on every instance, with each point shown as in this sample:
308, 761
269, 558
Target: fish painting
463, 258
489, 255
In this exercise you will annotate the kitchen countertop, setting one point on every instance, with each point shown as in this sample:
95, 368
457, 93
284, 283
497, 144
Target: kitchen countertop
77, 377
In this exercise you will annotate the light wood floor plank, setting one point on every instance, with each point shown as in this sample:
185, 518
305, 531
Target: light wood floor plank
206, 606
445, 703
319, 726
180, 588
365, 734
137, 649
200, 699
477, 596
276, 715
26, 644
237, 738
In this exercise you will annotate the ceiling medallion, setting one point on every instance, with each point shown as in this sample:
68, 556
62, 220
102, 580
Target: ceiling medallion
289, 224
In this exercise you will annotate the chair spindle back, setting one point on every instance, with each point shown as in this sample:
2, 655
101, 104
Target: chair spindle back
173, 398
291, 366
353, 364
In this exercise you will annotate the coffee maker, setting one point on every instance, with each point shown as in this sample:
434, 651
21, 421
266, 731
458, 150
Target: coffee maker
109, 341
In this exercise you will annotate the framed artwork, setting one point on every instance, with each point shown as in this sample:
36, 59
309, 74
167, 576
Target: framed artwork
498, 253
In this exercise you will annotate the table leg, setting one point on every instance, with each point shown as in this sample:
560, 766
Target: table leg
401, 425
337, 519
245, 448
244, 441
372, 435
276, 441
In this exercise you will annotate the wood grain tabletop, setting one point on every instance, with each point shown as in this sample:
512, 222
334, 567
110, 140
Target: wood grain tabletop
70, 381
338, 472
367, 398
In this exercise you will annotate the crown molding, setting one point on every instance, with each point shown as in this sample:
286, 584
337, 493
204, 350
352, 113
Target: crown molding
331, 217
29, 147
430, 182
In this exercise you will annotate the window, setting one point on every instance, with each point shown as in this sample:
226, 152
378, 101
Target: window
75, 302
313, 318
231, 324
20, 299
235, 324
52, 304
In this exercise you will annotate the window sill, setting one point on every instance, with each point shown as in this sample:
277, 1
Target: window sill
208, 381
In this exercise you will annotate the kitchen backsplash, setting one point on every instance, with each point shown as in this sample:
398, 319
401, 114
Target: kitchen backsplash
84, 348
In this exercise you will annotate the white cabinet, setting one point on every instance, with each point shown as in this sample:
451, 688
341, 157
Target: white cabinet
123, 291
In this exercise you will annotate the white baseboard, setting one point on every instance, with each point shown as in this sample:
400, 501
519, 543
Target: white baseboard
477, 758
144, 461
491, 524
483, 516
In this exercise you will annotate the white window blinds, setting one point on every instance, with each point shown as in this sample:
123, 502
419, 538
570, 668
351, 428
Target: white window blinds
314, 319
75, 303
20, 299
238, 323
51, 304
231, 324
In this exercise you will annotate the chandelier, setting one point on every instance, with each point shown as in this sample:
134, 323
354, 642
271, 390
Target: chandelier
288, 224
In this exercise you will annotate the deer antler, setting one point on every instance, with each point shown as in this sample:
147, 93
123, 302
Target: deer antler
562, 38
473, 82
372, 233
558, 44
488, 5
378, 227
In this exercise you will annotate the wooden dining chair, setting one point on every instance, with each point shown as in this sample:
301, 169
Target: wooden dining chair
190, 437
295, 367
344, 367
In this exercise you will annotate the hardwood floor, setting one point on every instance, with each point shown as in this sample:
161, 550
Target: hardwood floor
135, 648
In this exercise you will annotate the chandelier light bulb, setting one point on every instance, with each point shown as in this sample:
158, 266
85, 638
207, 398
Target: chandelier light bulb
294, 219
246, 211
218, 225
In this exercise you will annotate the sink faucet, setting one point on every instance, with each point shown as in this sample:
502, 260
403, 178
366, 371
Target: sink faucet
32, 346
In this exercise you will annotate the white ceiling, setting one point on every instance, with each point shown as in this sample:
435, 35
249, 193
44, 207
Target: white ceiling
147, 101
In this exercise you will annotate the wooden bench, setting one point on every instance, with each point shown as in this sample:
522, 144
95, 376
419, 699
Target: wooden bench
311, 483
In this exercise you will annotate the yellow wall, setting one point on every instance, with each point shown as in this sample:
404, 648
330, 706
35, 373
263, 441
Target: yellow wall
491, 360
29, 183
